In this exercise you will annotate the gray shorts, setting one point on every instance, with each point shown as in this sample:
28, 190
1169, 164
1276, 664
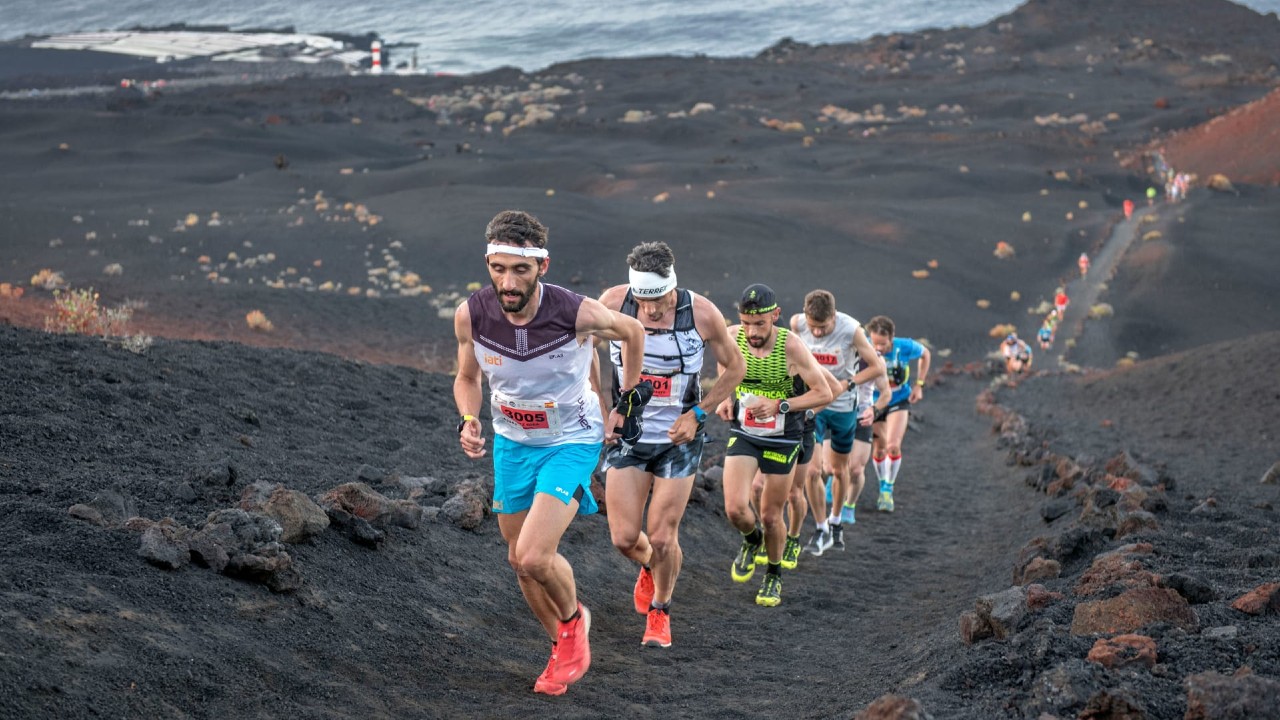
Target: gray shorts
664, 460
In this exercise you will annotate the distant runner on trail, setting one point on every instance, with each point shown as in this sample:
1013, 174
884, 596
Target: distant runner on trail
840, 345
891, 425
1083, 262
1045, 335
1128, 209
1017, 355
1060, 302
531, 341
679, 325
767, 416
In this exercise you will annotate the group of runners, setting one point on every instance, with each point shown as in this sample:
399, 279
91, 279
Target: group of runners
807, 403
1017, 352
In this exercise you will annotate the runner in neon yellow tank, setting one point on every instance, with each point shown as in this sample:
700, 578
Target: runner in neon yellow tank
767, 421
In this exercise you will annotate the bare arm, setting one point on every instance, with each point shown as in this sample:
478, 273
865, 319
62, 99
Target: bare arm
725, 408
835, 384
710, 325
596, 319
467, 391
800, 362
612, 300
922, 369
873, 364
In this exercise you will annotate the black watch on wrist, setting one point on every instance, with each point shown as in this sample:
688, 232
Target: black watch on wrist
784, 407
463, 422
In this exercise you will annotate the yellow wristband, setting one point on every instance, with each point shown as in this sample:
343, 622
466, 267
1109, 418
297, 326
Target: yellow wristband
920, 383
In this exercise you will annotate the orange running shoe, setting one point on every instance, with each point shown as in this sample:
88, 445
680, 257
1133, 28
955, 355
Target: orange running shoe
573, 654
644, 591
544, 684
657, 632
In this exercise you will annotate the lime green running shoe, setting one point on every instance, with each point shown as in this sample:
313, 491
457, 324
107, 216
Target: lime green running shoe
762, 554
744, 566
791, 553
770, 594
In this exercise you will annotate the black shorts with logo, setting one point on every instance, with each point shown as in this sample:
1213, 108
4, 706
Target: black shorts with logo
772, 458
664, 460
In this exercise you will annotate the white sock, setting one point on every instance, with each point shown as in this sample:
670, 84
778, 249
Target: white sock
894, 464
822, 526
834, 519
882, 468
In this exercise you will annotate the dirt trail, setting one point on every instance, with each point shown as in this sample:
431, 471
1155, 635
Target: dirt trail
851, 624
1084, 292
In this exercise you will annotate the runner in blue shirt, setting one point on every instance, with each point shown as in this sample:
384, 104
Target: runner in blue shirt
891, 425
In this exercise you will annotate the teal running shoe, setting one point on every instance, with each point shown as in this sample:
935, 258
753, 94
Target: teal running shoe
848, 516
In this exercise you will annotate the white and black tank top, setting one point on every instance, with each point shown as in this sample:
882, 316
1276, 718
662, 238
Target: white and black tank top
672, 362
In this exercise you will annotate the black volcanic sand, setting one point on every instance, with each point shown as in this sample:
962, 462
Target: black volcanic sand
431, 624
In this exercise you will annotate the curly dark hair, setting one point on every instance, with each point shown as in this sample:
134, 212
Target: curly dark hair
881, 325
654, 257
516, 227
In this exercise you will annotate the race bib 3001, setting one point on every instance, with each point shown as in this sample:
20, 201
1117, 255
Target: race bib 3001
667, 389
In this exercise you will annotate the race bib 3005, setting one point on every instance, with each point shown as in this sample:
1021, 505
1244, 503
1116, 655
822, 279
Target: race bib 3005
538, 418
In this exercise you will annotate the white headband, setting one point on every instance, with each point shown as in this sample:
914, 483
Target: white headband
529, 252
647, 285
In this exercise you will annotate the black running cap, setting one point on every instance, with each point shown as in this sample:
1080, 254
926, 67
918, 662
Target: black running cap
757, 299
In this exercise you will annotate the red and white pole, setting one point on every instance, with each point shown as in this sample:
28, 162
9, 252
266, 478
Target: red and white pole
377, 58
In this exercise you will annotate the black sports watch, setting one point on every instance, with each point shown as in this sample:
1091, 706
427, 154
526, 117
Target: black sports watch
784, 407
463, 422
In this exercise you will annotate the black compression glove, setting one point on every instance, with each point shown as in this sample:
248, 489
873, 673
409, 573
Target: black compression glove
632, 402
630, 430
631, 407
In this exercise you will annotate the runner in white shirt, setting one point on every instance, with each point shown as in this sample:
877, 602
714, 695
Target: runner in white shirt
840, 345
531, 340
679, 325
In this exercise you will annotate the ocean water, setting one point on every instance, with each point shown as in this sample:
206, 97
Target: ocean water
476, 35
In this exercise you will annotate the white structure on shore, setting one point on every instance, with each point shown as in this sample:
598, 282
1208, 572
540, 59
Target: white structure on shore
166, 46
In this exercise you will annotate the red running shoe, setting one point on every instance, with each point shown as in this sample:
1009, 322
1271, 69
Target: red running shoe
573, 651
544, 684
644, 591
657, 632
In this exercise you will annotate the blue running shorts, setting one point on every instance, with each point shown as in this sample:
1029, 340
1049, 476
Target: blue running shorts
561, 471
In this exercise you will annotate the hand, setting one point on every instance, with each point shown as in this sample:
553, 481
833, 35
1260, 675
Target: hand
917, 393
867, 416
685, 428
724, 410
628, 429
471, 440
763, 408
612, 422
